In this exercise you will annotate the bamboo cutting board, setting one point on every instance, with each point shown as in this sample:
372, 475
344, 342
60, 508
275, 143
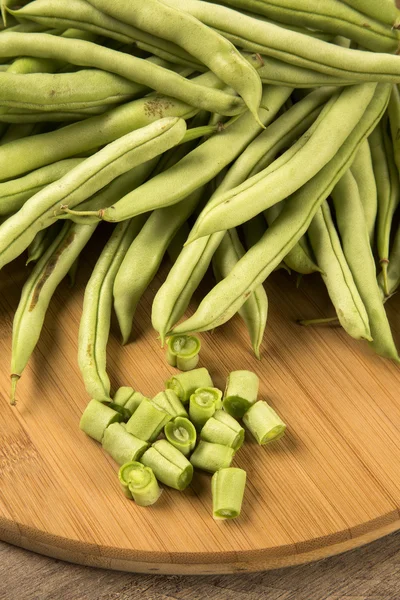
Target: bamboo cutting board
331, 484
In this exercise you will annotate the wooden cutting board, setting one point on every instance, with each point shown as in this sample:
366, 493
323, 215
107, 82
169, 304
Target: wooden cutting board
332, 483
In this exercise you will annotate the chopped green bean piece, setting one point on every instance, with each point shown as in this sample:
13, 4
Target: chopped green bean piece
169, 402
203, 404
227, 488
139, 482
96, 417
169, 465
263, 423
183, 351
211, 457
147, 421
128, 398
125, 414
240, 392
181, 433
185, 384
223, 429
121, 445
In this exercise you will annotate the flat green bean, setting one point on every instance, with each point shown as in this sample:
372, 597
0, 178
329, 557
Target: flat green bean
15, 192
254, 311
363, 172
170, 186
388, 190
291, 170
84, 180
211, 49
88, 54
353, 231
38, 291
227, 296
96, 313
296, 48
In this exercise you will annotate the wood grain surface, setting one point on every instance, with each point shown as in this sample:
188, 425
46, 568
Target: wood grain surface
331, 484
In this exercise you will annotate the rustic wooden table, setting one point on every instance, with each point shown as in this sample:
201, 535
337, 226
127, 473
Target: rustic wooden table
371, 572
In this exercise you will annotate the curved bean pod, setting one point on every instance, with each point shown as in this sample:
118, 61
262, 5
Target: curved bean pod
211, 49
173, 297
254, 311
394, 122
385, 11
18, 116
393, 272
46, 148
79, 13
86, 179
14, 193
388, 189
38, 291
42, 240
326, 15
353, 231
96, 313
88, 54
144, 257
17, 132
293, 169
296, 48
227, 296
363, 172
169, 187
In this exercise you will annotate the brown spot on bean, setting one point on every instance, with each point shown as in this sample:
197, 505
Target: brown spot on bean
51, 265
156, 107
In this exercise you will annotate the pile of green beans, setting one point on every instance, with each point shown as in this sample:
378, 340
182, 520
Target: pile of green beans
241, 135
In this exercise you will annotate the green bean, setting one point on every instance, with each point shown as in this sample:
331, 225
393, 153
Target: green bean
72, 273
84, 180
96, 314
211, 457
183, 352
38, 291
176, 244
353, 233
166, 55
15, 192
241, 392
80, 13
169, 402
139, 483
254, 311
147, 421
299, 258
388, 190
296, 48
96, 417
213, 50
14, 115
227, 486
88, 54
46, 148
393, 272
327, 15
121, 445
337, 275
170, 466
264, 423
227, 296
17, 132
321, 35
169, 187
385, 11
174, 295
290, 171
394, 122
181, 433
363, 172
42, 240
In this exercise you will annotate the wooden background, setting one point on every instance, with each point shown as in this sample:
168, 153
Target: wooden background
331, 484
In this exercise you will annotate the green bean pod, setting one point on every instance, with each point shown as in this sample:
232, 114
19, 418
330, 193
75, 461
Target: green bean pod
212, 457
291, 170
363, 172
264, 423
337, 275
96, 417
139, 483
121, 445
96, 314
226, 297
169, 187
211, 49
78, 13
353, 233
393, 273
227, 486
385, 11
170, 466
42, 240
388, 190
15, 192
181, 433
84, 180
254, 311
38, 290
174, 295
17, 132
394, 123
88, 54
326, 15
